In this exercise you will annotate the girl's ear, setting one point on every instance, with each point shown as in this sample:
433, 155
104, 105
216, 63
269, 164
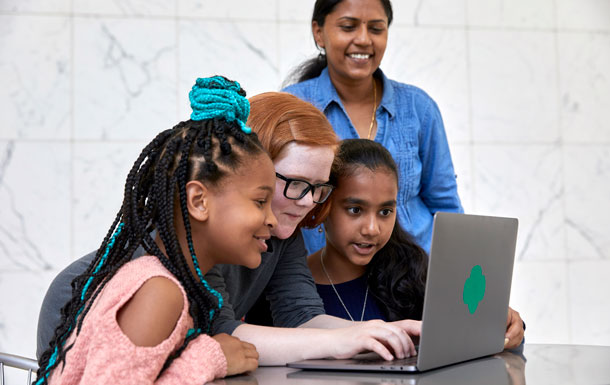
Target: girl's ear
318, 34
197, 200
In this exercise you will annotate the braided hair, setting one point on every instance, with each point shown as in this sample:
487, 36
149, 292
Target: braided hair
211, 145
397, 272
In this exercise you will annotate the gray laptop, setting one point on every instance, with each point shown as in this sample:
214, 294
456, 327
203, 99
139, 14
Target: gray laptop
466, 301
484, 371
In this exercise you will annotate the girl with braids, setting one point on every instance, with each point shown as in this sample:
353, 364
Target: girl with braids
302, 144
147, 320
370, 268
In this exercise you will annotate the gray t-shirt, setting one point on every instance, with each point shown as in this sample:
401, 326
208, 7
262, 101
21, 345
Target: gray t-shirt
283, 276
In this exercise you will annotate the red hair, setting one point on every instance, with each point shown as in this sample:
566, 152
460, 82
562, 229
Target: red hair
279, 118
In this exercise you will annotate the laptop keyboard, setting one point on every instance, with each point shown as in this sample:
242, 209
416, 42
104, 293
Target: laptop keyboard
397, 362
374, 359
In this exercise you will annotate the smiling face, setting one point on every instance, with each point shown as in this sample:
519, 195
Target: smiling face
298, 161
239, 216
361, 219
354, 35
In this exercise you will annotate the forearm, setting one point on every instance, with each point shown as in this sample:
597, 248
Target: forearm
324, 321
332, 338
278, 346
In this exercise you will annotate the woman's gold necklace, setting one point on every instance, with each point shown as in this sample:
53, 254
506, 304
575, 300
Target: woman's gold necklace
374, 109
366, 295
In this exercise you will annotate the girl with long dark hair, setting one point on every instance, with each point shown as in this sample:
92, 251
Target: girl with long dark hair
370, 267
147, 320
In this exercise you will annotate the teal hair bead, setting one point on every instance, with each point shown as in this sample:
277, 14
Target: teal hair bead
193, 331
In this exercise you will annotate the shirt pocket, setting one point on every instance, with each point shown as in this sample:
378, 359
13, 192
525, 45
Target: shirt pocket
406, 154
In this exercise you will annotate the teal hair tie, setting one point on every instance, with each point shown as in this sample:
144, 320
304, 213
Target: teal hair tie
217, 97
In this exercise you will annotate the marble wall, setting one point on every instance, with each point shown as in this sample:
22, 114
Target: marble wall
523, 86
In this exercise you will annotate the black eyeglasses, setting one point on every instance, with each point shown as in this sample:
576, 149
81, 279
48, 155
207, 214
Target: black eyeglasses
297, 188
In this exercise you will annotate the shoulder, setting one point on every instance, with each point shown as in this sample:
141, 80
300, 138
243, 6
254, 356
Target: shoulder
60, 289
404, 90
76, 268
150, 315
295, 244
304, 90
411, 102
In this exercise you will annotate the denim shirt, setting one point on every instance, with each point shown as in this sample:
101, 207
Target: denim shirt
410, 126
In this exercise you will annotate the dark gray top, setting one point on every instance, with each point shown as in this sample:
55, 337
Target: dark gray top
283, 275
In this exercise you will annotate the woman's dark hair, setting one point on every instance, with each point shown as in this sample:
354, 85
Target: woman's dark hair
313, 67
397, 272
203, 149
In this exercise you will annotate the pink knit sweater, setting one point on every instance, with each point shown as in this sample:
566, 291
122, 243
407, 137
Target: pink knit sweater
102, 354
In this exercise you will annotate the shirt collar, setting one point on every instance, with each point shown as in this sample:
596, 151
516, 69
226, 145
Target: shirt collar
328, 94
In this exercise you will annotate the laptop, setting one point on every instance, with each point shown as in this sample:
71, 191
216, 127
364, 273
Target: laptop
466, 301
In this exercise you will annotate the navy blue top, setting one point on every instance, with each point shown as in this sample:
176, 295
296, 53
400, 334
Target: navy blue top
352, 293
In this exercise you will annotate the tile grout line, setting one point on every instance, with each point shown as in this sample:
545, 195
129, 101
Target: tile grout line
177, 60
278, 55
72, 132
280, 21
71, 13
470, 118
562, 149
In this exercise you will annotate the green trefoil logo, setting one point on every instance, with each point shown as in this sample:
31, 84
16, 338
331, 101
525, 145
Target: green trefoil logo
474, 289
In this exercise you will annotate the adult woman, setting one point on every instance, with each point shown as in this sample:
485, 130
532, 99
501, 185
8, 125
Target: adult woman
301, 143
346, 83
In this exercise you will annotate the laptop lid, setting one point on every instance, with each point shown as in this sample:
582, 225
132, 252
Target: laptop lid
467, 295
468, 288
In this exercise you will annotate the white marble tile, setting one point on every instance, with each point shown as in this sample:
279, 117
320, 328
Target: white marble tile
429, 12
245, 52
524, 182
539, 293
461, 154
296, 46
124, 78
296, 10
126, 7
19, 311
584, 60
589, 302
514, 86
583, 14
405, 12
587, 178
100, 171
232, 10
35, 230
435, 61
514, 13
35, 73
46, 6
